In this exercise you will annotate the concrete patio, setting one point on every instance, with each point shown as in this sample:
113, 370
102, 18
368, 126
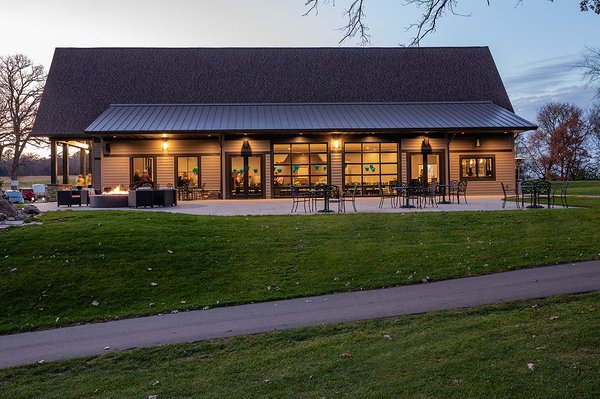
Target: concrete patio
283, 206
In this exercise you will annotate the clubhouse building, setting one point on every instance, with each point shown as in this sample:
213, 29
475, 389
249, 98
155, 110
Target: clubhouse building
250, 122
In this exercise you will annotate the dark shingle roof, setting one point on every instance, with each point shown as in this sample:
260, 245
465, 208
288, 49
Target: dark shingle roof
83, 82
145, 118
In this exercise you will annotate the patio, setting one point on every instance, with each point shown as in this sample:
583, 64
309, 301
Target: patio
283, 206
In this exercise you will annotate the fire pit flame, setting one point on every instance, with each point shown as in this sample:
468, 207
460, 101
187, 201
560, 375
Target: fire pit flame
116, 191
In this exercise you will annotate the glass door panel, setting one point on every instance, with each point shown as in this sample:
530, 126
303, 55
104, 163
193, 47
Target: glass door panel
237, 173
246, 176
254, 176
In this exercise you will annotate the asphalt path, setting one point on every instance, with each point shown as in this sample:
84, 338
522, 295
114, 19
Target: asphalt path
198, 325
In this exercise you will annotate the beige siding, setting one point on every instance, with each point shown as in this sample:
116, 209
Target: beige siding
414, 144
115, 170
487, 143
165, 170
336, 168
154, 147
235, 146
210, 170
496, 146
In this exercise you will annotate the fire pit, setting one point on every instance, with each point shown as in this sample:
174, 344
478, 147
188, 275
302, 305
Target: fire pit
116, 198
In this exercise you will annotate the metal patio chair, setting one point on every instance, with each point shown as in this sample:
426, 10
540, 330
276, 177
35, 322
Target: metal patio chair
509, 194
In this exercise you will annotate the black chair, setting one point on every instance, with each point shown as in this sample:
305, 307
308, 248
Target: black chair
349, 196
562, 195
163, 197
68, 197
298, 198
509, 194
430, 194
544, 189
452, 190
385, 192
527, 190
413, 194
462, 189
141, 197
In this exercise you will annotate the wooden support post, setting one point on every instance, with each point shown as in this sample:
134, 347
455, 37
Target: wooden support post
53, 162
65, 163
82, 162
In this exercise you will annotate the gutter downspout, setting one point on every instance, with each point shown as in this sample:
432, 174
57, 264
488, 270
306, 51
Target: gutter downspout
222, 156
448, 141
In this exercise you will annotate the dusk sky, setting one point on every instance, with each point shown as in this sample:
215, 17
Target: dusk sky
534, 44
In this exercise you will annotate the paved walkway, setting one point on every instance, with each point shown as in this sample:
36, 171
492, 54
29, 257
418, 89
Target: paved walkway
283, 206
98, 338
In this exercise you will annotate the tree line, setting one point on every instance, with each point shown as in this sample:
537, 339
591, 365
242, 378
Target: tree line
566, 145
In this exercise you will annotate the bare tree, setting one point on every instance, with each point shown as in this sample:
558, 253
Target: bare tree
21, 86
560, 146
590, 64
433, 11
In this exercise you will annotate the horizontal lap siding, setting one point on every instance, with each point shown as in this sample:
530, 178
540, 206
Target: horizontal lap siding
210, 171
154, 147
115, 170
235, 146
502, 149
414, 145
165, 170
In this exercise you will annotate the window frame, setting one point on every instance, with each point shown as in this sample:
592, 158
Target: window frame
132, 170
398, 162
476, 158
176, 167
277, 188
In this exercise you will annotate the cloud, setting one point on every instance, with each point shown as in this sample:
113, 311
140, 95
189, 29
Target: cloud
528, 106
548, 80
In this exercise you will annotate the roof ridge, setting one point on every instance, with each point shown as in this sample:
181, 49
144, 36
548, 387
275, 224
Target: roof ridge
298, 103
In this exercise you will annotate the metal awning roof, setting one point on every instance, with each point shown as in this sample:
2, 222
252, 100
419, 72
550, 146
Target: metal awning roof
147, 118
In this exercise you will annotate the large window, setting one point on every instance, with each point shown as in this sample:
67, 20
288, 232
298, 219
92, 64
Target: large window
188, 171
477, 167
142, 171
302, 165
370, 164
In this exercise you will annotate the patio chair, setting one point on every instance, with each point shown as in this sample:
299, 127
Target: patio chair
462, 189
452, 190
527, 190
562, 195
350, 196
386, 193
430, 194
412, 194
544, 189
509, 194
298, 198
336, 197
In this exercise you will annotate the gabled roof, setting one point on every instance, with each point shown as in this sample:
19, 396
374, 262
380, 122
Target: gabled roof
83, 82
182, 118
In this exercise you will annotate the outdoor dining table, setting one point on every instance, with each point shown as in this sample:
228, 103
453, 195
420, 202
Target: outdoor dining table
406, 190
325, 192
531, 188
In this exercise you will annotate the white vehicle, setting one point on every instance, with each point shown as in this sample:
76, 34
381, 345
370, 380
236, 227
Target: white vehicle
39, 190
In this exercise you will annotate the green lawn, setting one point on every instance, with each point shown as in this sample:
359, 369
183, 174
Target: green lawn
27, 181
474, 353
51, 274
586, 187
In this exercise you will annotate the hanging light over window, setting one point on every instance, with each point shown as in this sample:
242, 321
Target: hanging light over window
336, 144
165, 145
477, 143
